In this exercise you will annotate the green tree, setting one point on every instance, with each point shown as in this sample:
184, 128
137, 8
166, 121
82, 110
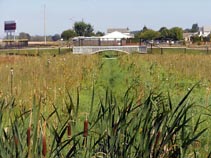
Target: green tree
98, 33
196, 39
176, 33
144, 29
56, 37
67, 34
83, 29
195, 28
24, 35
164, 33
149, 35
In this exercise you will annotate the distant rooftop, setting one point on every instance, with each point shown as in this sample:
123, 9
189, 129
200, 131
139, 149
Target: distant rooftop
206, 28
122, 30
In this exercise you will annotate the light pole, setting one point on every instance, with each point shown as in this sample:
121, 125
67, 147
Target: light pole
44, 24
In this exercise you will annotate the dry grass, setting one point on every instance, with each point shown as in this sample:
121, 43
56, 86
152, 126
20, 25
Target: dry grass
47, 76
186, 65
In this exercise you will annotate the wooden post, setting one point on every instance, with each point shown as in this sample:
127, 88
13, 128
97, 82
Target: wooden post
59, 50
161, 50
140, 41
11, 80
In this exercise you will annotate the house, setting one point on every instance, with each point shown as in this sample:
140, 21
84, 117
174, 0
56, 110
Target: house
116, 35
125, 31
204, 31
187, 36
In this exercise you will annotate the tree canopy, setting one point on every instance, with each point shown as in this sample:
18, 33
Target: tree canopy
149, 34
67, 34
56, 37
195, 28
164, 33
99, 33
24, 35
176, 33
83, 29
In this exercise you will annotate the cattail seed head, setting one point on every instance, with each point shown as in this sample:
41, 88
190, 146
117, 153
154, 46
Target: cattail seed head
28, 136
157, 138
16, 140
44, 146
86, 124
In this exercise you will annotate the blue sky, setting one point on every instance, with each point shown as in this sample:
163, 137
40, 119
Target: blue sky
103, 14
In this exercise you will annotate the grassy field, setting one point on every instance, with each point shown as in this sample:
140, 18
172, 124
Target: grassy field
135, 105
35, 51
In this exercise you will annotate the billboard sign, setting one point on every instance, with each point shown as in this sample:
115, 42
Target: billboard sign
9, 26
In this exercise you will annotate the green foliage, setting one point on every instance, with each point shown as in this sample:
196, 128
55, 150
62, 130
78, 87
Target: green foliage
23, 35
154, 128
164, 33
195, 28
50, 77
149, 35
67, 34
83, 29
176, 33
196, 39
144, 29
56, 37
99, 33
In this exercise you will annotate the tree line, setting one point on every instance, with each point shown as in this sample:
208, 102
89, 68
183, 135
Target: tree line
82, 28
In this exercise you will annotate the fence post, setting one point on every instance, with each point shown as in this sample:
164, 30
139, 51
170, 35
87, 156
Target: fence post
161, 49
185, 49
59, 50
11, 80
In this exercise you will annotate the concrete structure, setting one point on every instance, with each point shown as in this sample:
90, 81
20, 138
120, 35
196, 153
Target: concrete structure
97, 49
113, 41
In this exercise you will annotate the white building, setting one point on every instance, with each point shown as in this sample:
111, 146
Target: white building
124, 31
115, 36
204, 31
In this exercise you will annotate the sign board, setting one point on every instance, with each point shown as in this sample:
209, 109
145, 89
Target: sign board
9, 26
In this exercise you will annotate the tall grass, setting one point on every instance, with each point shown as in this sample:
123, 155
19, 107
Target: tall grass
153, 128
61, 89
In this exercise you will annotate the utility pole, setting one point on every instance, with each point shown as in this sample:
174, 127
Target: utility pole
44, 24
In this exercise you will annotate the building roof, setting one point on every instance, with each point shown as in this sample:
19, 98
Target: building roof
189, 34
122, 30
207, 28
115, 35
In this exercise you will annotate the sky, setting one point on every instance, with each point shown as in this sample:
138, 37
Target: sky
103, 14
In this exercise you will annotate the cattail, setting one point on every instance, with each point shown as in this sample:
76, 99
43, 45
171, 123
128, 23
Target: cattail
16, 140
157, 138
44, 144
115, 126
28, 136
86, 124
28, 139
69, 129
